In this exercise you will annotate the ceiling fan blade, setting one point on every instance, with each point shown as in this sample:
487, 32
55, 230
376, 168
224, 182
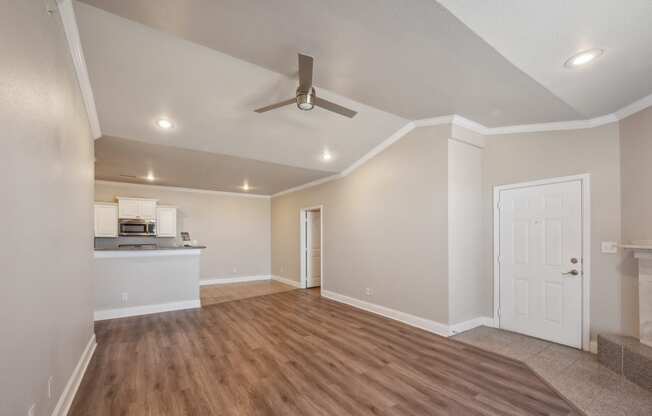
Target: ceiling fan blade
305, 72
277, 105
336, 108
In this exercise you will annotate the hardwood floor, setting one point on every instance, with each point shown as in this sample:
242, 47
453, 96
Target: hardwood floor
213, 294
295, 353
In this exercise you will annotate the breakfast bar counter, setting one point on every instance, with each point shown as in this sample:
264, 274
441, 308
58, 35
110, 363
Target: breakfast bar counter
133, 281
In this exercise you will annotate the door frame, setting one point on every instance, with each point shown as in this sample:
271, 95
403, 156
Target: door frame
585, 181
303, 279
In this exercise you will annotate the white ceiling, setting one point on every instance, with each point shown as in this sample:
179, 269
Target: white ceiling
139, 74
206, 64
122, 160
539, 36
410, 58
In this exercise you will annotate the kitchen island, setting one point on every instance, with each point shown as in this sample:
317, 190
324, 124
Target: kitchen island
132, 281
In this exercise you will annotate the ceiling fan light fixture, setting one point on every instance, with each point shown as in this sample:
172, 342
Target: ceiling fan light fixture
305, 101
305, 97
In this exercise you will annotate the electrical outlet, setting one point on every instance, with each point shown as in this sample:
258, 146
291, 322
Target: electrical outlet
282, 269
235, 270
368, 291
32, 410
609, 247
50, 386
125, 297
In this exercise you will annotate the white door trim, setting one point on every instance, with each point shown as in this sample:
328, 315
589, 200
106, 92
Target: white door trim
303, 281
585, 180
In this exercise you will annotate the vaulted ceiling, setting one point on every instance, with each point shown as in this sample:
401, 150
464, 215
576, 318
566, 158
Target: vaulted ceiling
206, 64
538, 36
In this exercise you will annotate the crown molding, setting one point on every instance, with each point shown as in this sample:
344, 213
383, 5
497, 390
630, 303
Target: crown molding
180, 189
460, 121
69, 21
398, 135
471, 125
634, 107
554, 126
309, 184
434, 121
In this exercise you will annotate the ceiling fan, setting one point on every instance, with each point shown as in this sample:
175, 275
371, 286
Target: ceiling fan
306, 99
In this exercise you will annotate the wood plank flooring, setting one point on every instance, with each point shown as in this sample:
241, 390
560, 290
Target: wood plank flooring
213, 294
295, 353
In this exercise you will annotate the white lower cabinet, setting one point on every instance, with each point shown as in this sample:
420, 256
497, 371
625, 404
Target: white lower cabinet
106, 220
166, 221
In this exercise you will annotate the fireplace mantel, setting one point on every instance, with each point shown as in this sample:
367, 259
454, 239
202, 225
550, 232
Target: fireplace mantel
643, 252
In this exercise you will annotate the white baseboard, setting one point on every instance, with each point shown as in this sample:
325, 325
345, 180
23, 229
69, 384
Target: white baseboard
406, 318
68, 393
593, 346
146, 309
239, 279
470, 324
287, 281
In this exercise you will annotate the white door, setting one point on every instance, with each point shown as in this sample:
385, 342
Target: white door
313, 248
540, 261
166, 222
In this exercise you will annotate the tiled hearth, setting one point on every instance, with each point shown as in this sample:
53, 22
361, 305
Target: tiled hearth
578, 375
627, 357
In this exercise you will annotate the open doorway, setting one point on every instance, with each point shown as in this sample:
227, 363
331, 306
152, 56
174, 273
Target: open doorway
312, 256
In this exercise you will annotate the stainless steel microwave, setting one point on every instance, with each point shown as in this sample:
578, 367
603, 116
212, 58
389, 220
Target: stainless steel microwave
138, 228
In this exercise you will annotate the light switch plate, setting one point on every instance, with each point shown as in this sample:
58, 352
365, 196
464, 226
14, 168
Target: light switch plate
609, 247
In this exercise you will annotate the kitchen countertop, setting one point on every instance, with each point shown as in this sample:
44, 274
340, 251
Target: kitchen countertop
150, 248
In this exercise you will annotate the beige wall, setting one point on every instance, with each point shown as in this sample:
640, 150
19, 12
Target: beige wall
385, 228
235, 229
523, 157
46, 178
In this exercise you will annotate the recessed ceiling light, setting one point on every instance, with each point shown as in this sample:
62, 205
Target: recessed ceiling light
164, 123
583, 58
326, 156
150, 177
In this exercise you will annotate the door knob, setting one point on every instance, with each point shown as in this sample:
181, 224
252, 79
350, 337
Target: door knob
573, 272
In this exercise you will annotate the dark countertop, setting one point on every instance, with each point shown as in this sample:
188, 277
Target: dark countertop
149, 248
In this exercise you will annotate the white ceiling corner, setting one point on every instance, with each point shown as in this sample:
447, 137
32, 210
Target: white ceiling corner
539, 36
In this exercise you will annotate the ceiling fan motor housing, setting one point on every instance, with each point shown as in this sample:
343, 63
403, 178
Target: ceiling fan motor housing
306, 99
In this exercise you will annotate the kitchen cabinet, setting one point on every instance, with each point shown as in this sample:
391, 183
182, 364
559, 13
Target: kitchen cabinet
166, 221
136, 208
148, 209
106, 219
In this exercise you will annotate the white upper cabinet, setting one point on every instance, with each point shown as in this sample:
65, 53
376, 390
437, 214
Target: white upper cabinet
129, 208
137, 208
106, 220
166, 222
148, 209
